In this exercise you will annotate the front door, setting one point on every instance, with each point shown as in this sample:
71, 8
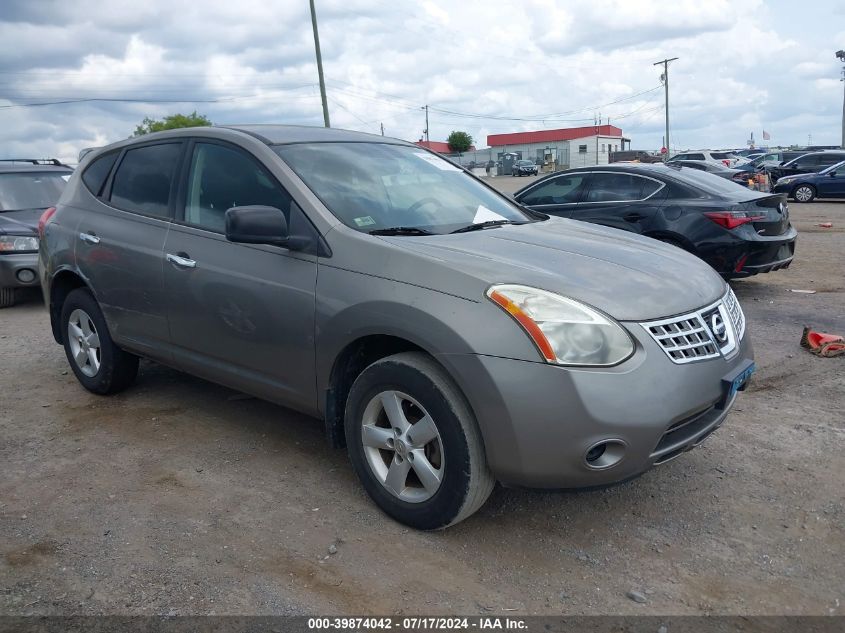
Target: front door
832, 184
239, 314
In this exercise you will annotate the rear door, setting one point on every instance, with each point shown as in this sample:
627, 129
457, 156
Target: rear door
556, 195
239, 314
120, 241
620, 200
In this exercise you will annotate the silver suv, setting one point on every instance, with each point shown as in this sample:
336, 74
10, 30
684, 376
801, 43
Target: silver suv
448, 337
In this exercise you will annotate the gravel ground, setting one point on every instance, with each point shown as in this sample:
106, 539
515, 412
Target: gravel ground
181, 497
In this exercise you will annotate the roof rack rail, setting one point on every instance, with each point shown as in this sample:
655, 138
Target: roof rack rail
34, 161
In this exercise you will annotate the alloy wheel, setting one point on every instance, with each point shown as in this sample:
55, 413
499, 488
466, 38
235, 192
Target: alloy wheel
84, 342
803, 194
402, 446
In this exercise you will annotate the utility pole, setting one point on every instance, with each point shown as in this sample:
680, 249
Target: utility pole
840, 55
320, 66
382, 129
665, 78
425, 107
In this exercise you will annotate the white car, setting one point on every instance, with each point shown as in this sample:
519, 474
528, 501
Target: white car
728, 159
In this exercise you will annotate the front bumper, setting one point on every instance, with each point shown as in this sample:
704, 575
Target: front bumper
16, 269
539, 421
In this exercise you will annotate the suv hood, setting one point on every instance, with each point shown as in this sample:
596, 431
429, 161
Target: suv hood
20, 222
630, 277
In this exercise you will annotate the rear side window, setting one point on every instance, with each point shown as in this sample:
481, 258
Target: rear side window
695, 156
619, 188
830, 159
810, 160
722, 155
143, 179
96, 173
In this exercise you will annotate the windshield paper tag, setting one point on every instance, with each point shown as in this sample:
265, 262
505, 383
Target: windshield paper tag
440, 163
364, 221
483, 214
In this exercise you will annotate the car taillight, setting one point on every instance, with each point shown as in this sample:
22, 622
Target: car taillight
732, 219
45, 217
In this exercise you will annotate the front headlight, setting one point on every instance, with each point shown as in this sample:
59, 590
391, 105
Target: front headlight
17, 243
565, 331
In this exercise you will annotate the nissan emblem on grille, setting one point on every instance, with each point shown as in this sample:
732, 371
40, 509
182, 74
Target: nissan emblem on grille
718, 327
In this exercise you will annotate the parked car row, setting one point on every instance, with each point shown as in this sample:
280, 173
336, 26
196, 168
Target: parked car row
437, 327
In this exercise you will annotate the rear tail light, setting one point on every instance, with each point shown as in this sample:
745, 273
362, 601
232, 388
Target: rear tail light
732, 219
45, 217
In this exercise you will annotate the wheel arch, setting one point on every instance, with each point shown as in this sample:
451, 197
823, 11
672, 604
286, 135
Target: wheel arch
63, 283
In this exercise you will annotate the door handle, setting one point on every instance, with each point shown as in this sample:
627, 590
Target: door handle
182, 262
633, 217
89, 237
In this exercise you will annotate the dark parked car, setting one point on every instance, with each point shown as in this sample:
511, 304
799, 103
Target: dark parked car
27, 187
447, 336
737, 231
629, 155
524, 168
746, 175
828, 183
810, 163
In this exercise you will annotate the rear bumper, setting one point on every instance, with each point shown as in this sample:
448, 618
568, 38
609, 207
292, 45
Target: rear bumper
16, 269
746, 253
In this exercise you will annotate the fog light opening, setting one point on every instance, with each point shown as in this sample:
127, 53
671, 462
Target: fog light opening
26, 275
604, 454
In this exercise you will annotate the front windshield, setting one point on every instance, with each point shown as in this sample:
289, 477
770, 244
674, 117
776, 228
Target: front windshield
31, 190
524, 162
833, 168
377, 186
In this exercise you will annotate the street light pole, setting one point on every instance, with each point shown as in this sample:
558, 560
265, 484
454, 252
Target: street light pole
665, 63
425, 107
320, 66
840, 55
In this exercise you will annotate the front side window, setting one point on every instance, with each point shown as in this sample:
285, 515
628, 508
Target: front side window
565, 189
143, 179
805, 161
31, 190
221, 178
375, 186
606, 187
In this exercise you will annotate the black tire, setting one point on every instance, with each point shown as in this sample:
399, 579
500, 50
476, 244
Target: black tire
8, 297
466, 479
808, 192
117, 369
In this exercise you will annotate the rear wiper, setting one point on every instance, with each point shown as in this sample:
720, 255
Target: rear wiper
401, 230
484, 225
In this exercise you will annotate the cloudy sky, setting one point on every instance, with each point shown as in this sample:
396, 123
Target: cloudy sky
482, 67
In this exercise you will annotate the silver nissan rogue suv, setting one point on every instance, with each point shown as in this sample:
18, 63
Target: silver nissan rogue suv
448, 337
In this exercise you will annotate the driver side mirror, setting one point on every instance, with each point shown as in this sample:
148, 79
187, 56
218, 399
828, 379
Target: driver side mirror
257, 224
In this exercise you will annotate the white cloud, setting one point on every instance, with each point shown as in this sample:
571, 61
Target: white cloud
742, 66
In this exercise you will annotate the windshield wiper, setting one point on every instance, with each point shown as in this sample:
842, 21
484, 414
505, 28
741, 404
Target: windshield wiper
484, 225
401, 230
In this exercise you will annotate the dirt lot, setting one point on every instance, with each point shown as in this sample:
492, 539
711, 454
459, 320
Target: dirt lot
181, 497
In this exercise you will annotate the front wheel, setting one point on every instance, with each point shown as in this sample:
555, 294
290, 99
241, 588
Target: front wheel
804, 193
99, 365
415, 444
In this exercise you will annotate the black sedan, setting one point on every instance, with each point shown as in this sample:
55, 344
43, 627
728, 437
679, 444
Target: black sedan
737, 231
828, 183
524, 168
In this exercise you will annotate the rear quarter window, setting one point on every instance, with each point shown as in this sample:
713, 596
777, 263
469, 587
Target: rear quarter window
94, 176
144, 177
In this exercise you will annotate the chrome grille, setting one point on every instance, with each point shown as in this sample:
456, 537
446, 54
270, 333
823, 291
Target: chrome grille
691, 337
735, 312
684, 339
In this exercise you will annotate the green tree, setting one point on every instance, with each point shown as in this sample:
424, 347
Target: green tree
171, 122
459, 141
